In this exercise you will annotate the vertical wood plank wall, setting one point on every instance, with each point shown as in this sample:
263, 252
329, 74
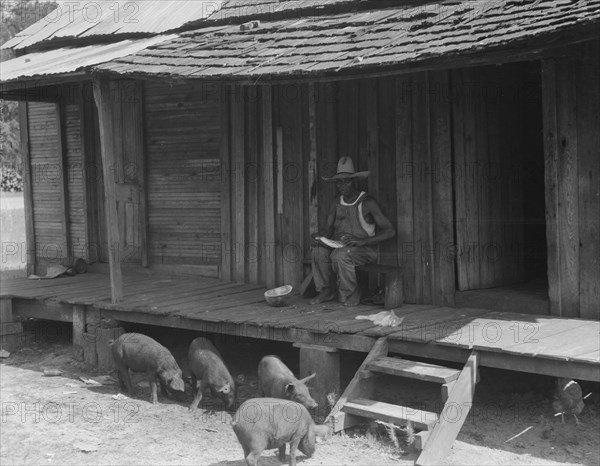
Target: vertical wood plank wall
390, 126
76, 185
571, 106
449, 151
46, 184
91, 161
182, 135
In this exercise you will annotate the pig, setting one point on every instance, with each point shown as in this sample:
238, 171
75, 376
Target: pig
266, 423
208, 368
140, 353
277, 381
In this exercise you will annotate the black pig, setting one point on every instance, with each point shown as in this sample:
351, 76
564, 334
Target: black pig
141, 353
208, 368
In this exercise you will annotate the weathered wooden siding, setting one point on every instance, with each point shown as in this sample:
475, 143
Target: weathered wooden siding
97, 243
291, 118
449, 152
182, 134
251, 203
46, 183
392, 127
571, 104
75, 182
311, 127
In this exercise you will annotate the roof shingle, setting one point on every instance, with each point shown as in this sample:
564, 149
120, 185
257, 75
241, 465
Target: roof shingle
327, 43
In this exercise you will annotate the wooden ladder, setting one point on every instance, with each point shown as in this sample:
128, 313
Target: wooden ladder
437, 431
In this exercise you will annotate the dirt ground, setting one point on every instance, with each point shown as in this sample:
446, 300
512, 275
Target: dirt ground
63, 420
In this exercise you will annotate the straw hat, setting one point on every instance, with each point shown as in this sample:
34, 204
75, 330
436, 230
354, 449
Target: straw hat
345, 169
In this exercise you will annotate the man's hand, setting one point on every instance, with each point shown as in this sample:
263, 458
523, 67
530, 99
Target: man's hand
313, 241
351, 240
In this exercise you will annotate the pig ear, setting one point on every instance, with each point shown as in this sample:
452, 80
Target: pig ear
290, 388
225, 389
306, 379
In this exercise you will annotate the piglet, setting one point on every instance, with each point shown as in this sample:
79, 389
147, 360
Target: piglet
140, 353
207, 366
277, 381
266, 423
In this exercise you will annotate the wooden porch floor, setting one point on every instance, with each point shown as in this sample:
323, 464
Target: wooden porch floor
509, 340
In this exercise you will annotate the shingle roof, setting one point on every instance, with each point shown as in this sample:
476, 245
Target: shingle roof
365, 39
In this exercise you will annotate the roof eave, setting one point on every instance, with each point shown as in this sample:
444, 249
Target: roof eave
48, 80
544, 46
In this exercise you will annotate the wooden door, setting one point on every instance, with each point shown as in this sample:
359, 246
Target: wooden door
128, 175
128, 143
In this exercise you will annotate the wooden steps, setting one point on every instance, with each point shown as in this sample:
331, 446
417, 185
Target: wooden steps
413, 370
387, 412
437, 431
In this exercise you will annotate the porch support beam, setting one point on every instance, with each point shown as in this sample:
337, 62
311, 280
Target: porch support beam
325, 362
64, 169
313, 185
109, 167
27, 189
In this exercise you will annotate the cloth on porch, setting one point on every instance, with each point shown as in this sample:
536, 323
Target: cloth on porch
52, 271
70, 267
383, 318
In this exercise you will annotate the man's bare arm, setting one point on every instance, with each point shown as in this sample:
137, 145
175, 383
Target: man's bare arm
385, 229
327, 231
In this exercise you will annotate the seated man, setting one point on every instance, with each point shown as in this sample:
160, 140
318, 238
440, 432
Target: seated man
355, 221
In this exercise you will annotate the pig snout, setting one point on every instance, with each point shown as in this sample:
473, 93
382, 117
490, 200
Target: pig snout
323, 431
175, 385
276, 380
227, 395
299, 393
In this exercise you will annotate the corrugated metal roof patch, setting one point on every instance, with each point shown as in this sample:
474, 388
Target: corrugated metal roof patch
68, 60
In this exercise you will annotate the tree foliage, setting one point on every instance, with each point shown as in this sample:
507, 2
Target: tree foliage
15, 15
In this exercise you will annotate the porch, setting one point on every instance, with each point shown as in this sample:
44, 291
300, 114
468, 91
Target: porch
516, 340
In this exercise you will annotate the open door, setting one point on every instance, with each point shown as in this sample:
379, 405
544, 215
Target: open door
498, 176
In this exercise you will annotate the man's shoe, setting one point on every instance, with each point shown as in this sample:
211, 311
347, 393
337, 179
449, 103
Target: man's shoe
324, 295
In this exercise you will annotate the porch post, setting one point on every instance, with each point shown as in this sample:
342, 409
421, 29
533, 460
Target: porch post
109, 165
313, 185
325, 362
27, 189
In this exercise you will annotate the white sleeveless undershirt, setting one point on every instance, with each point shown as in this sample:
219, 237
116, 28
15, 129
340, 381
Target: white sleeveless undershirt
368, 227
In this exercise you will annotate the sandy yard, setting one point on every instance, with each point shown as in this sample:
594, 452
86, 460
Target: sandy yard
62, 420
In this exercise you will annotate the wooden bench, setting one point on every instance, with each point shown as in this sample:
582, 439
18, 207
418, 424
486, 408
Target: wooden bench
394, 296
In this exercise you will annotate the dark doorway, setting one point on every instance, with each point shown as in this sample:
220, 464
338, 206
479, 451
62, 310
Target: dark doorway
499, 184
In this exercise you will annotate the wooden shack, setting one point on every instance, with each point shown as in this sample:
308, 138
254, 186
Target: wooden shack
196, 145
202, 152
